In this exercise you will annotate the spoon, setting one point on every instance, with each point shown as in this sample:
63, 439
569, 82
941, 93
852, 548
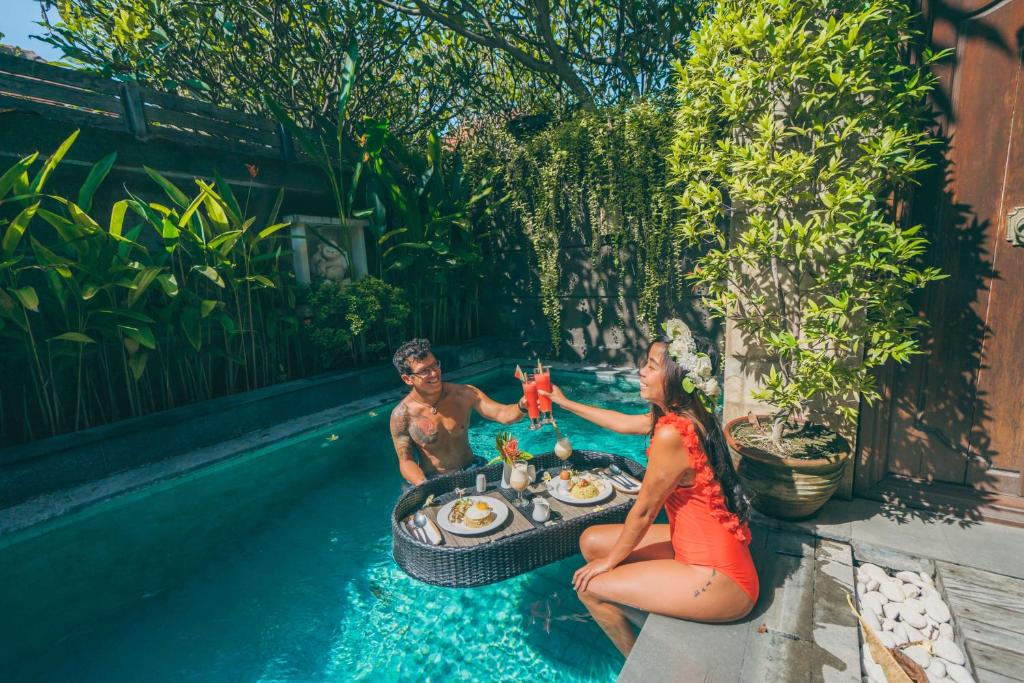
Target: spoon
617, 471
420, 520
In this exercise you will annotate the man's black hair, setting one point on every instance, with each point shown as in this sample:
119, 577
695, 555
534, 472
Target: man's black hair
414, 349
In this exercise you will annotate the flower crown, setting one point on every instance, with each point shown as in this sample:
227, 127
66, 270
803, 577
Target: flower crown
697, 366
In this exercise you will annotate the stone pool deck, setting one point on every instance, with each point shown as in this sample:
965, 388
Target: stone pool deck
802, 629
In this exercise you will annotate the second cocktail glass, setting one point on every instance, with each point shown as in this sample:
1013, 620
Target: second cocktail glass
532, 401
543, 379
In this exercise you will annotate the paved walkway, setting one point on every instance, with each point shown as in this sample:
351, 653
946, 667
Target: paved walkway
868, 524
802, 630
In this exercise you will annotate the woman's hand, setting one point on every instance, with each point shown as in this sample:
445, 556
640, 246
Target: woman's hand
556, 395
581, 579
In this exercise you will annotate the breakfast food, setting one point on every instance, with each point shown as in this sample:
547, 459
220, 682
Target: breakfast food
478, 515
458, 511
564, 474
583, 489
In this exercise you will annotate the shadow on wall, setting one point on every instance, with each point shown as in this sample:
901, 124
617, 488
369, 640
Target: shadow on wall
598, 298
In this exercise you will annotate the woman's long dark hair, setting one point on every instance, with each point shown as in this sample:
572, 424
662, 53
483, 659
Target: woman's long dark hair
679, 402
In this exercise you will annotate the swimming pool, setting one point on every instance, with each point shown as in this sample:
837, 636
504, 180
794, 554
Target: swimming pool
275, 566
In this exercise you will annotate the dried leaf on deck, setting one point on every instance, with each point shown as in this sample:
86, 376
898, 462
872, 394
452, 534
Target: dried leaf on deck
883, 656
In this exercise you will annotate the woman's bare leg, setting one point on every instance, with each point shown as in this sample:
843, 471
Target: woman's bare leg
597, 541
664, 586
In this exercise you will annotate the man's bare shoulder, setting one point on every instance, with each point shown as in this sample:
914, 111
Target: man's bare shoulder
400, 414
463, 390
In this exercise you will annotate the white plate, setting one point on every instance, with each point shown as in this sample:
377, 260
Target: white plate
604, 492
498, 507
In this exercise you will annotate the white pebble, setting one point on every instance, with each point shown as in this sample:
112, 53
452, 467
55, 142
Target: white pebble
893, 590
870, 667
891, 610
937, 610
886, 639
928, 592
909, 577
926, 578
871, 619
959, 673
919, 655
910, 590
935, 669
914, 604
873, 570
872, 584
888, 624
913, 635
946, 631
873, 602
899, 632
948, 650
912, 617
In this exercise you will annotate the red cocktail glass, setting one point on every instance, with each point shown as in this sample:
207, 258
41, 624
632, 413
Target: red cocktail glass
543, 379
532, 402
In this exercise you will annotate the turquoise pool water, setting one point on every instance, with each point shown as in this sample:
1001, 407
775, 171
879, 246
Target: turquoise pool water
276, 566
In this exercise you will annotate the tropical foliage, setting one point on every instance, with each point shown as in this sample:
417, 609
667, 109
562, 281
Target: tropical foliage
600, 51
417, 206
427, 63
353, 322
599, 178
235, 53
798, 121
159, 304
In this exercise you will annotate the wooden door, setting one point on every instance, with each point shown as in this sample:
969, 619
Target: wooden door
954, 416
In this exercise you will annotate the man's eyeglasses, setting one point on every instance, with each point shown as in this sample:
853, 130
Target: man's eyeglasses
427, 372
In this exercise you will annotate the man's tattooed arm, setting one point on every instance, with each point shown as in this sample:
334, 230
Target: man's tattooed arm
405, 449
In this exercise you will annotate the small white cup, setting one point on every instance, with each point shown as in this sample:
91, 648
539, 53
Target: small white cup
541, 510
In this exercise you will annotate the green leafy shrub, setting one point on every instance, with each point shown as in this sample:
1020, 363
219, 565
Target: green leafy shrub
357, 321
797, 122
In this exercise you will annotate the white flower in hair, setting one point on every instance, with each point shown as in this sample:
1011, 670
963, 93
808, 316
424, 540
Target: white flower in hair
702, 367
676, 328
697, 366
682, 353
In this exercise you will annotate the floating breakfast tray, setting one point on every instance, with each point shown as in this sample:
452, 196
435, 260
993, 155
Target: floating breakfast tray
520, 544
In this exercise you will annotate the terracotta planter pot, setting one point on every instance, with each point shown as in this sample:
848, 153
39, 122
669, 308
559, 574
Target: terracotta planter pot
786, 488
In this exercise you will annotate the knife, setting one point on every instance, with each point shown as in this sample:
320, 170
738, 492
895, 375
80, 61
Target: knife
621, 479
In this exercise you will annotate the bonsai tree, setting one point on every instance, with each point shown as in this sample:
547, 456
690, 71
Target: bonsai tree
799, 122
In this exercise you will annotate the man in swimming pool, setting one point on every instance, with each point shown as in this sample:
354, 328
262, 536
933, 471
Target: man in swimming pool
430, 427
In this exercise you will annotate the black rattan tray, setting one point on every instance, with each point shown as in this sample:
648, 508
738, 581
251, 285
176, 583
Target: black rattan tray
503, 558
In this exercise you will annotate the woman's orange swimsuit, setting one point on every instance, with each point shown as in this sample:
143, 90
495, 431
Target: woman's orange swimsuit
704, 532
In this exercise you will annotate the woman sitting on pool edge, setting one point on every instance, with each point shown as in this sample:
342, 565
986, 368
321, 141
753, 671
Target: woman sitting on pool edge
698, 566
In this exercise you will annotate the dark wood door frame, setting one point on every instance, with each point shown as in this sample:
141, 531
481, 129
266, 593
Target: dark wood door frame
872, 475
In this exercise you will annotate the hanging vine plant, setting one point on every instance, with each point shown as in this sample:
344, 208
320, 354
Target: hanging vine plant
598, 178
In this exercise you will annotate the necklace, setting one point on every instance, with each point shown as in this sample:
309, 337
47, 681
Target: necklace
432, 406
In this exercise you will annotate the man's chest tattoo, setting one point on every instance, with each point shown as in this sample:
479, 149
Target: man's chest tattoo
423, 431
